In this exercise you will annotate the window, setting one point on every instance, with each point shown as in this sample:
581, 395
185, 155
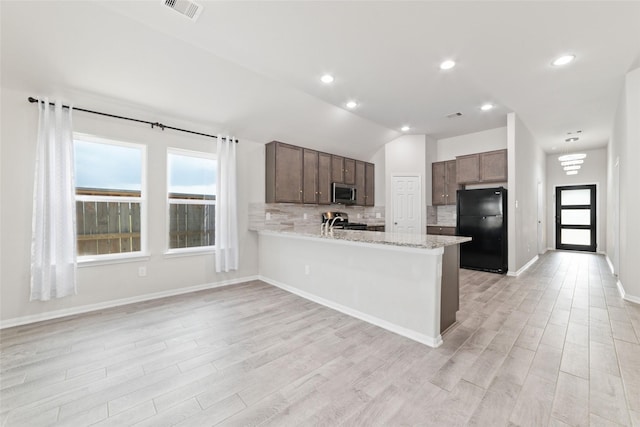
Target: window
191, 198
110, 196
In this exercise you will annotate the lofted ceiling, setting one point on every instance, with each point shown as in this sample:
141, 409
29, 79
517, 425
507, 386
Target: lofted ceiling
254, 68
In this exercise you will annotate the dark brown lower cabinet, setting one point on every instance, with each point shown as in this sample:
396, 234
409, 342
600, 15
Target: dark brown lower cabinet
441, 230
450, 288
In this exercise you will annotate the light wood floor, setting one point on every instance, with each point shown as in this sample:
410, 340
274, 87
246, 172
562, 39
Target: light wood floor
556, 346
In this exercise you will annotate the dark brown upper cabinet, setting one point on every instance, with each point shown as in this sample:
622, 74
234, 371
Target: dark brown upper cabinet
301, 175
369, 184
444, 183
324, 178
360, 179
490, 166
284, 173
349, 172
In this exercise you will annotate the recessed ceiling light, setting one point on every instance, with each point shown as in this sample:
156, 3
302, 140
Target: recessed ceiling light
327, 78
447, 65
572, 172
405, 128
572, 168
563, 60
352, 104
572, 157
572, 139
487, 107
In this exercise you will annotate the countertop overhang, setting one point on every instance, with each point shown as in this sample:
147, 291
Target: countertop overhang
398, 240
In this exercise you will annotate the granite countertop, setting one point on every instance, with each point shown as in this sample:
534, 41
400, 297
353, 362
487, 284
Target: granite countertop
420, 241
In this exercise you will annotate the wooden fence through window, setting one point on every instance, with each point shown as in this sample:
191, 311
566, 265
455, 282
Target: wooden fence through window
109, 227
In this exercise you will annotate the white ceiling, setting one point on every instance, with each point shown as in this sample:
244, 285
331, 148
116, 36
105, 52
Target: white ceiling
253, 68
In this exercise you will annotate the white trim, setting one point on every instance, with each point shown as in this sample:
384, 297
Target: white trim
606, 256
17, 321
625, 296
106, 259
415, 336
524, 267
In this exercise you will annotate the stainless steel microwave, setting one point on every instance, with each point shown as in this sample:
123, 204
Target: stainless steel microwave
343, 194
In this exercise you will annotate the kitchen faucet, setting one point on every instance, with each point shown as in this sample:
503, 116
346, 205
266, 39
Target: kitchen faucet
327, 226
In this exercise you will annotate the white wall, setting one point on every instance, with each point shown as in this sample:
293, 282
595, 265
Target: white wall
105, 284
526, 171
406, 155
477, 142
623, 171
593, 171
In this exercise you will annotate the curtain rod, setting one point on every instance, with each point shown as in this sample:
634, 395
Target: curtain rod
153, 124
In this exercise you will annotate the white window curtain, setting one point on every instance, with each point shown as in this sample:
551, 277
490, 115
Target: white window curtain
226, 207
53, 240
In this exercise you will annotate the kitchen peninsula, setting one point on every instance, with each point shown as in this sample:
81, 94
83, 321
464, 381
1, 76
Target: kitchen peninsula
406, 283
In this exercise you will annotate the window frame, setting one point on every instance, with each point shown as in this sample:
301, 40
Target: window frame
143, 253
196, 250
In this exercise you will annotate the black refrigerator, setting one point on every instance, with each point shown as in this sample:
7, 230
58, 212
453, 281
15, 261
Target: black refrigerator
482, 215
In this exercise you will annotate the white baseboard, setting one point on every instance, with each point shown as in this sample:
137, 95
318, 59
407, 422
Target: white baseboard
625, 296
24, 320
524, 267
421, 338
610, 264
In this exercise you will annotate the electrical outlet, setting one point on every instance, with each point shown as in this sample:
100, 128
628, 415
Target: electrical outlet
267, 216
142, 271
359, 216
378, 215
307, 270
305, 216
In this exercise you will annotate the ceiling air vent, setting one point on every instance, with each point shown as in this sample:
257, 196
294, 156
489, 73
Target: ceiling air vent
454, 115
187, 8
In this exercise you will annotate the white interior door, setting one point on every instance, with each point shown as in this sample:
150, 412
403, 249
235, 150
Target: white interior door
406, 202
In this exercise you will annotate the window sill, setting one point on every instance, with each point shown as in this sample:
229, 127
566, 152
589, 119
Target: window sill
90, 261
201, 250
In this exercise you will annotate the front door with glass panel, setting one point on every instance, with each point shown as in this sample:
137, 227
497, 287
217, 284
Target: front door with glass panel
576, 218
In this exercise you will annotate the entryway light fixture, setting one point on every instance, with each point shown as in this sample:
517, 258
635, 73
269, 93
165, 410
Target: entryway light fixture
352, 104
405, 128
572, 162
486, 107
577, 156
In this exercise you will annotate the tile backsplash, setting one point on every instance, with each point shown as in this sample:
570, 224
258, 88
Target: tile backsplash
287, 215
446, 215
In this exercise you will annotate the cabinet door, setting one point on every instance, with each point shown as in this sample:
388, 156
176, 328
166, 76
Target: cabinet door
349, 171
369, 184
310, 174
360, 180
324, 178
493, 166
438, 187
337, 169
468, 168
451, 183
288, 173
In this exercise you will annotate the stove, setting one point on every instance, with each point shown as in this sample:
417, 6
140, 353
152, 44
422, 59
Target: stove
340, 220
